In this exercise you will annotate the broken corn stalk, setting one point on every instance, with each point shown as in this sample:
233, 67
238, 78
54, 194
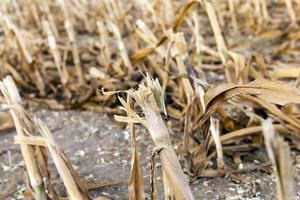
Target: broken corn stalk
174, 177
13, 99
280, 156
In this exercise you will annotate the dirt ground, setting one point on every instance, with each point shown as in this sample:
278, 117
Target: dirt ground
100, 150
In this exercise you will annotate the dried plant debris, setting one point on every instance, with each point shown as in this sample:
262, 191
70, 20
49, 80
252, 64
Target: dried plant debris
279, 154
136, 181
23, 127
148, 98
222, 68
34, 154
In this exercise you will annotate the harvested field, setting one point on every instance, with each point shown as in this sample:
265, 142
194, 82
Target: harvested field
100, 150
149, 99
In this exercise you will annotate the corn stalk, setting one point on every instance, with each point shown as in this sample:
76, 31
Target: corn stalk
149, 99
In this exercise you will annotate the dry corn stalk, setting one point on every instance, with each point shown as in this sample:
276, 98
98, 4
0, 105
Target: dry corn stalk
136, 181
148, 36
179, 52
56, 53
13, 99
280, 156
215, 132
30, 147
44, 6
222, 48
12, 27
122, 48
76, 188
72, 37
147, 100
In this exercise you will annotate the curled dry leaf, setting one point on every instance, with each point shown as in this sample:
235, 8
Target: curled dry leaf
261, 88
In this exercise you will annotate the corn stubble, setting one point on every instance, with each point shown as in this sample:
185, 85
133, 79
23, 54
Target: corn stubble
33, 150
60, 53
150, 99
280, 156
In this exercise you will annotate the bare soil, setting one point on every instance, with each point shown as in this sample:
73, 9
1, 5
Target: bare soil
99, 149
